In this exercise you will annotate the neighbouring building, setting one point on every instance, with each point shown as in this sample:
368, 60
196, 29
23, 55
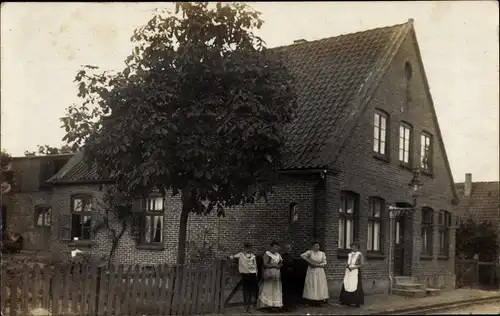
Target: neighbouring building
26, 209
479, 201
365, 120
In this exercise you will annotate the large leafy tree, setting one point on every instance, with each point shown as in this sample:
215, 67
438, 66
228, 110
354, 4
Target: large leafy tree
477, 238
199, 109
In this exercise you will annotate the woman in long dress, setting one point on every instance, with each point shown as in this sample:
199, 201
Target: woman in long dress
270, 296
316, 286
352, 287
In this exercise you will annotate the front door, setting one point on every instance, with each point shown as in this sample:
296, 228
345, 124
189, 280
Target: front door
399, 257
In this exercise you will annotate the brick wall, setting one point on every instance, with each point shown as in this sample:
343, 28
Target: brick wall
368, 176
259, 224
21, 218
25, 195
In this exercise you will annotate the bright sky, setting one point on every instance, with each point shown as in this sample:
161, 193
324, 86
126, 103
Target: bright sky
44, 44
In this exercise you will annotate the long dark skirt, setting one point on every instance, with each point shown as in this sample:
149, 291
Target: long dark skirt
353, 298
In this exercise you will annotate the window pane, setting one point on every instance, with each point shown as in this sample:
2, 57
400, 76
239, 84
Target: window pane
87, 205
341, 233
401, 154
375, 145
349, 227
39, 220
407, 133
376, 120
397, 233
424, 240
86, 221
158, 231
377, 208
342, 203
76, 226
376, 236
382, 148
85, 233
48, 219
350, 205
369, 243
158, 203
77, 205
147, 229
401, 132
383, 122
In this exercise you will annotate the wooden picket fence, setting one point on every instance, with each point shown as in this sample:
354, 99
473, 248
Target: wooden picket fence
114, 290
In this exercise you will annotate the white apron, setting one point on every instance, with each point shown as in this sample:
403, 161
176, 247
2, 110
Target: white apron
351, 277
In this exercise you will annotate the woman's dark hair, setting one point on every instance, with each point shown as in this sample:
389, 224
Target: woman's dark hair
315, 243
274, 243
355, 243
247, 245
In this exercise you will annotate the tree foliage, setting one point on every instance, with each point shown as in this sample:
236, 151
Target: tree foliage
199, 109
44, 150
6, 173
477, 238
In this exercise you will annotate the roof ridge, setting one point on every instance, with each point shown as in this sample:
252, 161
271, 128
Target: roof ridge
343, 34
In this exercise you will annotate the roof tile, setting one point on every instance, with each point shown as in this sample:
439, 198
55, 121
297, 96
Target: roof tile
329, 73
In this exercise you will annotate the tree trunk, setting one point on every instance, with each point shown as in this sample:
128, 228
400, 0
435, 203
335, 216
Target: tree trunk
181, 246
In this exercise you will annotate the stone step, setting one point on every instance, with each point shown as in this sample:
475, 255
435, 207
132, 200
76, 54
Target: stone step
403, 279
410, 286
409, 292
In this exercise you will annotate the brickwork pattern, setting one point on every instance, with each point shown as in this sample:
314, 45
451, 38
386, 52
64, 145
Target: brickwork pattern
360, 172
364, 174
259, 224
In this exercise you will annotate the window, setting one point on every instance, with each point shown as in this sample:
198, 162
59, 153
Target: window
42, 216
152, 224
380, 133
348, 212
425, 151
427, 221
374, 240
293, 212
404, 143
444, 226
81, 217
408, 71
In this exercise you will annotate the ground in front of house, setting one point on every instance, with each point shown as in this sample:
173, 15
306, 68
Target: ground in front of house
481, 308
385, 303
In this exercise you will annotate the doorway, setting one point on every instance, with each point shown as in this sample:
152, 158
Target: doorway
399, 238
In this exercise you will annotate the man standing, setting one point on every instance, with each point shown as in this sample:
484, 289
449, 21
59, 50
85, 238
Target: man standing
288, 279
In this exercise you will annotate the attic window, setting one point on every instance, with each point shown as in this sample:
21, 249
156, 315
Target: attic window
408, 71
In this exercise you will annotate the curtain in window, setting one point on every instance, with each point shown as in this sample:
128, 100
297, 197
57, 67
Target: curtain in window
158, 224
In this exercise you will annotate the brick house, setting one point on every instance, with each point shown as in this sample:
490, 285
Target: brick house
365, 119
479, 201
26, 209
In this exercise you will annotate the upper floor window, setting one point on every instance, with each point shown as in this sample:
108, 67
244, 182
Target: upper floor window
444, 227
152, 208
425, 151
380, 132
405, 143
43, 216
348, 216
78, 223
427, 222
374, 240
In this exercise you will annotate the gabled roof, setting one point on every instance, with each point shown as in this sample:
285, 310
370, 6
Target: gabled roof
484, 197
335, 79
76, 170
